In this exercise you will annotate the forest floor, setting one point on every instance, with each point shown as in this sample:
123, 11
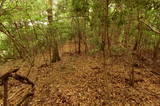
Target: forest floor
81, 80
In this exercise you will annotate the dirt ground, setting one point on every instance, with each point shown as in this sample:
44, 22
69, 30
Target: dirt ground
82, 80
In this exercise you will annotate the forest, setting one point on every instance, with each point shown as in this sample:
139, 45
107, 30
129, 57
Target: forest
79, 52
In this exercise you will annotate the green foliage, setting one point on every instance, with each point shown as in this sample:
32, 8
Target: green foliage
95, 42
80, 6
6, 50
119, 18
28, 24
118, 50
63, 29
94, 51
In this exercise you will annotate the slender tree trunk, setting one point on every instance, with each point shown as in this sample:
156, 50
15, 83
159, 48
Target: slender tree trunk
79, 42
140, 33
79, 37
105, 31
155, 52
107, 28
106, 37
5, 100
55, 51
127, 32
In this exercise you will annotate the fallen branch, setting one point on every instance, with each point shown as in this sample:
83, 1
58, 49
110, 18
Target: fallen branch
24, 98
23, 79
4, 81
7, 75
13, 74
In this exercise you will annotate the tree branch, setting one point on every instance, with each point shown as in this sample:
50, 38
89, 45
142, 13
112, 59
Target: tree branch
151, 28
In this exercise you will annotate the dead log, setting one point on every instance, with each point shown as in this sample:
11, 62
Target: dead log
23, 79
4, 81
7, 75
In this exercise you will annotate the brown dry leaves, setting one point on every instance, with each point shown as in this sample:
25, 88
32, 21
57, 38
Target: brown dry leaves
80, 81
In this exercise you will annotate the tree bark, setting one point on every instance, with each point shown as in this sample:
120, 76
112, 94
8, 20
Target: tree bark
140, 33
55, 51
155, 52
107, 28
5, 101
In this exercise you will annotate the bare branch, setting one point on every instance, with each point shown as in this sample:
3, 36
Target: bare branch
151, 28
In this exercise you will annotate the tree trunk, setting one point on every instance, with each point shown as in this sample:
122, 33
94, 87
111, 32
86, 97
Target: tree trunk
127, 32
79, 36
5, 100
155, 52
107, 28
55, 51
79, 42
140, 33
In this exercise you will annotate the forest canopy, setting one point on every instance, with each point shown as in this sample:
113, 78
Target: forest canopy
117, 23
